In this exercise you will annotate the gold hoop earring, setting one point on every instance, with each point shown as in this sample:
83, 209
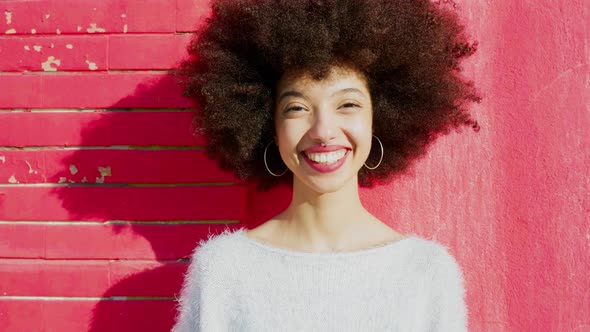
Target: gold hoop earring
266, 164
380, 159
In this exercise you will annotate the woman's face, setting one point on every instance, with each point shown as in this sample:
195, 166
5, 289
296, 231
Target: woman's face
336, 111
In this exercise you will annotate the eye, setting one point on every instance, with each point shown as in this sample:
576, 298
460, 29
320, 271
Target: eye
349, 106
295, 109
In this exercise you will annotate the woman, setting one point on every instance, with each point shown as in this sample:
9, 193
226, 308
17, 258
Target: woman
325, 96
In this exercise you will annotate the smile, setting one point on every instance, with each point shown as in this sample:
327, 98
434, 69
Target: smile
325, 162
326, 157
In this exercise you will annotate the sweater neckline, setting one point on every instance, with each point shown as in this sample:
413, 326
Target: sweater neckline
241, 233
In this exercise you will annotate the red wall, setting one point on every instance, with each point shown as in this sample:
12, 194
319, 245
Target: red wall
104, 192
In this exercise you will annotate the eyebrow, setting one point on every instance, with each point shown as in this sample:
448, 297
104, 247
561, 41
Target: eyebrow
292, 93
348, 90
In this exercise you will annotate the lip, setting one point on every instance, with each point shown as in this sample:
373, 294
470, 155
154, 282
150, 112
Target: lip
325, 168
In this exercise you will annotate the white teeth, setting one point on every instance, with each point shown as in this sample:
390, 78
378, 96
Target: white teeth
327, 158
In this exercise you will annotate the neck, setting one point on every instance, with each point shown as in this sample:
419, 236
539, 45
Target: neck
325, 219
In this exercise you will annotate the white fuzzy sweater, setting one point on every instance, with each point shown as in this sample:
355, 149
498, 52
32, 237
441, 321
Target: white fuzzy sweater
235, 283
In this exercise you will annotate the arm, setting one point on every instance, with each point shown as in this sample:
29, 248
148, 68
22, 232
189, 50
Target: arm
450, 312
188, 306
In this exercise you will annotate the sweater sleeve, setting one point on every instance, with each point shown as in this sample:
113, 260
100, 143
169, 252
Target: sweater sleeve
451, 310
187, 318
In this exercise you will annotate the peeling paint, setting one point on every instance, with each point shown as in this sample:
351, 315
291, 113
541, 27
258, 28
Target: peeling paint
72, 181
31, 170
84, 180
3, 159
91, 65
37, 48
47, 16
123, 15
93, 28
73, 169
8, 16
125, 28
10, 32
51, 61
105, 171
69, 46
62, 180
27, 48
79, 28
12, 179
33, 31
58, 31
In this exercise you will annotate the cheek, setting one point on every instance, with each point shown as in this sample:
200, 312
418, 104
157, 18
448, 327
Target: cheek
361, 130
289, 134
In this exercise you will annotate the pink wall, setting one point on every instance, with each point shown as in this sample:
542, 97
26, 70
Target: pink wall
512, 201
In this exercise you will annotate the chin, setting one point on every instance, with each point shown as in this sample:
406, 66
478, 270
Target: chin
326, 185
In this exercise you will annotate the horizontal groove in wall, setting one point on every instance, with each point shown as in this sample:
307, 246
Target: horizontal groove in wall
118, 222
113, 298
84, 72
90, 35
74, 261
94, 110
137, 185
111, 147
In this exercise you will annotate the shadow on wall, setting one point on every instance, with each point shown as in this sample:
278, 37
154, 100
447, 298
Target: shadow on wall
143, 301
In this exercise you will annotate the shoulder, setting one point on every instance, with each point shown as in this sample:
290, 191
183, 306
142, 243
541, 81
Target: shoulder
435, 259
216, 250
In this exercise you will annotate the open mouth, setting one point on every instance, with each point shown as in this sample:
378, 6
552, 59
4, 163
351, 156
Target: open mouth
326, 158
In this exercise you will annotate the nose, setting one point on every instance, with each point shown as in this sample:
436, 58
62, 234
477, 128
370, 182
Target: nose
322, 127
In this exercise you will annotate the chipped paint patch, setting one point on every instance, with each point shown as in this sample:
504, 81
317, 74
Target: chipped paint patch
47, 16
58, 31
37, 48
3, 159
73, 169
8, 16
91, 65
50, 61
12, 179
79, 28
105, 171
69, 46
10, 31
84, 180
33, 31
31, 170
93, 28
27, 48
123, 15
125, 28
52, 45
72, 181
62, 180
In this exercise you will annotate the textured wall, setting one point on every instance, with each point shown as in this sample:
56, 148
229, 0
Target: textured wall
513, 201
104, 191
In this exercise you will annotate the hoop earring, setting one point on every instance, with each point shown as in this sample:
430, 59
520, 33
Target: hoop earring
266, 164
380, 159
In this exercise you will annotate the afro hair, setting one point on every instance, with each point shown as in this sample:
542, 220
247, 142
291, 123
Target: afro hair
409, 51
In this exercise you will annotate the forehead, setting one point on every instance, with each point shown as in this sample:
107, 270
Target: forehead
338, 78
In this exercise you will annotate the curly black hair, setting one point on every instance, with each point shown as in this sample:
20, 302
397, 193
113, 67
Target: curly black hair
409, 51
